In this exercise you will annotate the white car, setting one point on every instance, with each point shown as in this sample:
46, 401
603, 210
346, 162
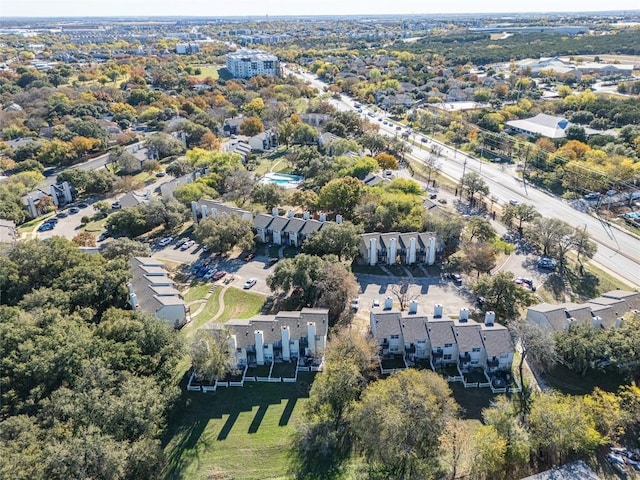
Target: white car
376, 303
249, 283
514, 202
187, 245
165, 241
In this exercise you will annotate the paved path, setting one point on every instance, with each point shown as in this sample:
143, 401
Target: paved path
220, 304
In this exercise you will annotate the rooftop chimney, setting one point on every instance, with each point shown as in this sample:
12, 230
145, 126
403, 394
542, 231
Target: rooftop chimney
388, 303
413, 306
464, 315
489, 318
437, 310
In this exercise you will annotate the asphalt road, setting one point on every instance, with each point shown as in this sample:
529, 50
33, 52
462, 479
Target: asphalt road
618, 251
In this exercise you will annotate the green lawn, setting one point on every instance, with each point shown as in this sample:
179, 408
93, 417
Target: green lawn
197, 291
210, 309
236, 432
569, 382
240, 304
207, 71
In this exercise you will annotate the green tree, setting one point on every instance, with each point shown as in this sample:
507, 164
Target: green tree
480, 229
211, 356
503, 295
251, 126
480, 257
399, 421
489, 449
267, 194
125, 248
521, 213
473, 183
340, 240
341, 195
303, 272
222, 233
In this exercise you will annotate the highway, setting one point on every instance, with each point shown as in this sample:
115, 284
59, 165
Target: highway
618, 251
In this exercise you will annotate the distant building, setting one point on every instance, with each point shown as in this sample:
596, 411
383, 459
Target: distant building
571, 471
8, 234
544, 125
247, 63
403, 248
187, 48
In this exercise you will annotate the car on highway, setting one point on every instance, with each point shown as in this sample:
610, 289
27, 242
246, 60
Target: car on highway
187, 245
165, 241
424, 140
218, 275
249, 283
398, 128
514, 202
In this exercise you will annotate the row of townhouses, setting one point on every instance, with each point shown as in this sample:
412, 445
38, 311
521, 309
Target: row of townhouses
440, 340
605, 311
375, 248
288, 336
152, 291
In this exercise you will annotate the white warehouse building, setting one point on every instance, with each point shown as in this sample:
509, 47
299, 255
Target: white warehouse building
246, 63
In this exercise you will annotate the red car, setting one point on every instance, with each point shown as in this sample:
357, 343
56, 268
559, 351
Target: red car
218, 275
249, 256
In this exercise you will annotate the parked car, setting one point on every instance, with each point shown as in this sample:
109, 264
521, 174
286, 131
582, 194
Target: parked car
187, 245
273, 260
249, 256
525, 282
249, 283
592, 196
210, 273
376, 303
62, 214
218, 275
181, 241
103, 236
73, 210
456, 278
161, 173
547, 263
83, 205
116, 205
165, 241
45, 227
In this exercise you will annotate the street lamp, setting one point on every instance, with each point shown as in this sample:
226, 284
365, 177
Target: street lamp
464, 168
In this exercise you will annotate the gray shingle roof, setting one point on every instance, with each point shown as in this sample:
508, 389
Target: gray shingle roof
414, 328
262, 220
467, 336
440, 332
496, 339
387, 323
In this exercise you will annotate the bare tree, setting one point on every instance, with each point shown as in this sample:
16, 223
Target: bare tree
404, 293
431, 166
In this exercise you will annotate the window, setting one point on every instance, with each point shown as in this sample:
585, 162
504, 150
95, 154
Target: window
254, 65
395, 337
474, 362
448, 345
476, 349
447, 357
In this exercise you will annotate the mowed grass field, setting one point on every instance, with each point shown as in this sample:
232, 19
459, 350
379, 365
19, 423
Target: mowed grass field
240, 433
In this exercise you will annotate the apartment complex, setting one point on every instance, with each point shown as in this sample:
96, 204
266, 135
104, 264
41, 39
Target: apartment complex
246, 63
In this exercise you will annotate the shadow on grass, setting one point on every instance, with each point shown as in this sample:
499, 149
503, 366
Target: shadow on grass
185, 440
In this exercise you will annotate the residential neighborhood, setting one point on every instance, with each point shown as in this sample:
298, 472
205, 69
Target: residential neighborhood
319, 242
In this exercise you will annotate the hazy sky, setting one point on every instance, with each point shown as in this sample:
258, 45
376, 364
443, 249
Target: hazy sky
210, 8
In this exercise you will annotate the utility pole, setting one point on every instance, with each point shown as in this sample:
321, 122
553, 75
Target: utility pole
464, 168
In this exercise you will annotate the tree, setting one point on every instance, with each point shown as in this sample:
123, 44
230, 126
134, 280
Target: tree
84, 239
179, 167
521, 213
251, 126
211, 355
431, 166
576, 132
480, 257
503, 295
546, 232
399, 421
337, 287
164, 145
536, 344
340, 240
267, 194
239, 185
125, 248
386, 161
489, 449
375, 143
303, 272
561, 426
341, 195
473, 183
404, 293
222, 233
480, 229
305, 199
126, 161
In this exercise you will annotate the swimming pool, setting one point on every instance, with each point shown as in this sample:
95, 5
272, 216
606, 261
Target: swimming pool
283, 180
